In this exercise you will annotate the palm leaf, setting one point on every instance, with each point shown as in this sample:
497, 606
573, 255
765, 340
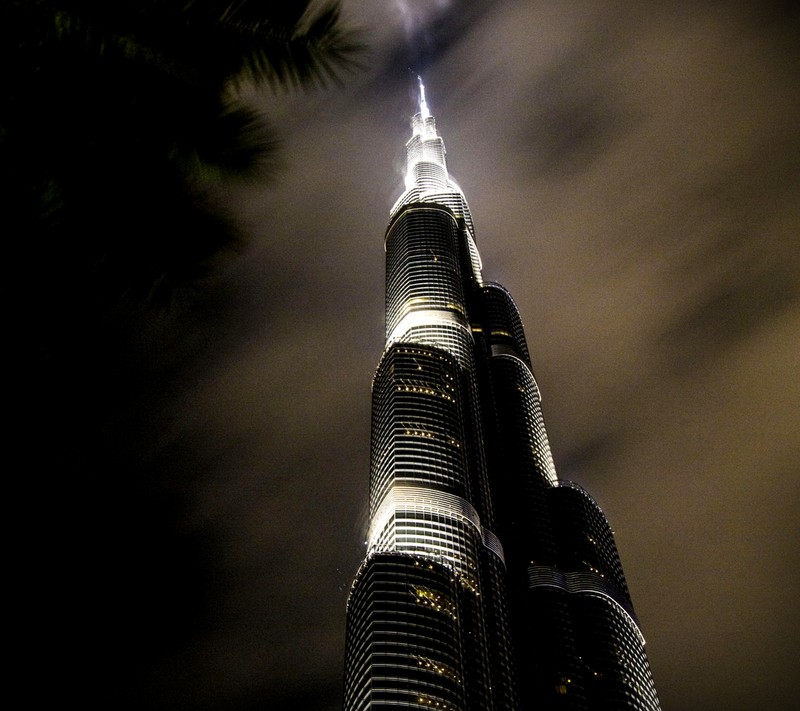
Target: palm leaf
235, 142
314, 51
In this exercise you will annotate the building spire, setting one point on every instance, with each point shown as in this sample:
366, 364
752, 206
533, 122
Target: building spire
423, 105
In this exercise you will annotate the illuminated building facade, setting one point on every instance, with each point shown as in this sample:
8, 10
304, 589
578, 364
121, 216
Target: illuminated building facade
488, 584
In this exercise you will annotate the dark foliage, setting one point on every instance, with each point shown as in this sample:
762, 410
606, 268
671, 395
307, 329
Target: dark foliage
118, 121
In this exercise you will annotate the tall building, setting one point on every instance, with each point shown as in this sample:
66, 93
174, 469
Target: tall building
488, 584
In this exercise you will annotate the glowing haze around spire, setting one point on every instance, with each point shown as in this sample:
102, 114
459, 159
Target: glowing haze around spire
423, 105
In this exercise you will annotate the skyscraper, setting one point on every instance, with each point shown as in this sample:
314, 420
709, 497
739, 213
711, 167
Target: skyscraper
488, 584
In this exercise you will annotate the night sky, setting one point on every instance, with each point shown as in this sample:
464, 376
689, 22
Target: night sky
633, 171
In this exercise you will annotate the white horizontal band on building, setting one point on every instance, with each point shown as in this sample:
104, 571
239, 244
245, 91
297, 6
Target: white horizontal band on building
426, 317
582, 582
416, 499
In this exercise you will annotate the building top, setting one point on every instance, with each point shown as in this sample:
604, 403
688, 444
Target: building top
427, 178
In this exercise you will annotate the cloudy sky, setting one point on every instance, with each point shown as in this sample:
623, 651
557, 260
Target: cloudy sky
633, 170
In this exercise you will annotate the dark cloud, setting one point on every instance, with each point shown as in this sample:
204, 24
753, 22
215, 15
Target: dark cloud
576, 110
433, 29
748, 272
423, 33
569, 132
595, 452
730, 309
